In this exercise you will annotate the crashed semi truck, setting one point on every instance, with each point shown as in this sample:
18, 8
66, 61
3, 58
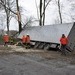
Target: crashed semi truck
48, 36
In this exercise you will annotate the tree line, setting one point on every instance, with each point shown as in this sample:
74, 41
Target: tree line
11, 9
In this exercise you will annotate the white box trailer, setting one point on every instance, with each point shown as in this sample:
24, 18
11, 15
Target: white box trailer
49, 35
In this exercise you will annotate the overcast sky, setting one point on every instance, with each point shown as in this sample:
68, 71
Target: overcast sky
29, 5
51, 11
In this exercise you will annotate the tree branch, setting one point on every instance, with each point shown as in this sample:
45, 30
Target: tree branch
2, 3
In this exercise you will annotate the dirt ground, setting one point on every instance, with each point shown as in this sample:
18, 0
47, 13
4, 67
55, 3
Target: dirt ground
49, 60
48, 55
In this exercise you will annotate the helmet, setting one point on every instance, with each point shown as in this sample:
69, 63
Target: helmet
5, 34
27, 34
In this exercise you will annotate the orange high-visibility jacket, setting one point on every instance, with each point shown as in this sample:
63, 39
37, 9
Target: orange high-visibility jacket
6, 38
23, 39
64, 41
27, 39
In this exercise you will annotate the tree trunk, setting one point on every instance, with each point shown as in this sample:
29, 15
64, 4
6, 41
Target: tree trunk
19, 17
59, 11
7, 24
8, 20
40, 21
7, 15
44, 13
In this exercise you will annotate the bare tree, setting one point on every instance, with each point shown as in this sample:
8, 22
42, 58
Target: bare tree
7, 16
43, 6
2, 4
72, 9
7, 4
40, 21
8, 10
59, 10
28, 22
66, 14
19, 16
43, 13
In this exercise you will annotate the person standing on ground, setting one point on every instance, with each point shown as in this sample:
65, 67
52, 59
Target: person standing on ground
63, 42
6, 39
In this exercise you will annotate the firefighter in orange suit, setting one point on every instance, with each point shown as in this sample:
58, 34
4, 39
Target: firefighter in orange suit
23, 40
63, 42
6, 39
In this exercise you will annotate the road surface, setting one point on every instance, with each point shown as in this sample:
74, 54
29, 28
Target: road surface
13, 64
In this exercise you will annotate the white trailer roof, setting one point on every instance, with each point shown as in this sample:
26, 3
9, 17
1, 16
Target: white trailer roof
47, 33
